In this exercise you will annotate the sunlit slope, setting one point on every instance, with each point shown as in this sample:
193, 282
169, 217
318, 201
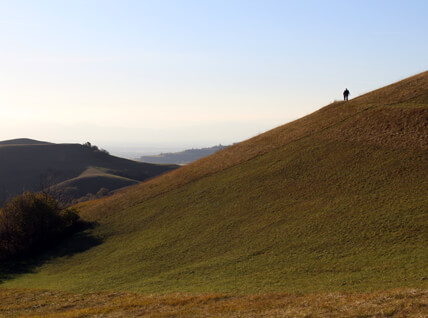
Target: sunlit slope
348, 121
333, 201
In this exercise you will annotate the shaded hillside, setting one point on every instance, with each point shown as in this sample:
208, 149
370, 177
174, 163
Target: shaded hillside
87, 185
333, 201
183, 157
36, 165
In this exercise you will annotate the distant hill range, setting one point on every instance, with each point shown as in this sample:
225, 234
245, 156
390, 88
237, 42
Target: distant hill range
75, 171
183, 157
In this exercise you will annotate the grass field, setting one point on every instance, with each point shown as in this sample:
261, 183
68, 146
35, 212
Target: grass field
332, 203
48, 303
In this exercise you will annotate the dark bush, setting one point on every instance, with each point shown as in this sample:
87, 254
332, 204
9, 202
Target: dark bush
29, 222
102, 192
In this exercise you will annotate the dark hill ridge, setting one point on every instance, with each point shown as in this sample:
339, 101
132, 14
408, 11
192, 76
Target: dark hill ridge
23, 141
32, 165
182, 157
333, 201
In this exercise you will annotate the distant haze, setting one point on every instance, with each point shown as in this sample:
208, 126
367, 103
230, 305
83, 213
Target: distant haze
144, 150
181, 74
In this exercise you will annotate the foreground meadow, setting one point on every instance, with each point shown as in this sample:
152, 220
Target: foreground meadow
46, 303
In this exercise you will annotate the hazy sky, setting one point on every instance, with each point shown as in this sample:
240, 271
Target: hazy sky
193, 73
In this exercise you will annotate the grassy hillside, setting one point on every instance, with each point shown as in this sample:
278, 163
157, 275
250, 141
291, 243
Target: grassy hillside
333, 201
31, 165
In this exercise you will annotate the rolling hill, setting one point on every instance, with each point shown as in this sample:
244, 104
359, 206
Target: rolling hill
27, 164
334, 201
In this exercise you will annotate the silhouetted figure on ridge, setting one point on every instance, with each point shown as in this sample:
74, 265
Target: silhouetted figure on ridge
346, 94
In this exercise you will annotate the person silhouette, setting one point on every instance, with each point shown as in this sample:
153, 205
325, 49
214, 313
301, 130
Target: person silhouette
346, 94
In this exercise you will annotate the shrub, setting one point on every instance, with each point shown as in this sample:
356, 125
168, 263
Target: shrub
102, 192
28, 222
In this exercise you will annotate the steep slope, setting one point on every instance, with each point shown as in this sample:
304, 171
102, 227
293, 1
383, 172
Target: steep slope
333, 201
32, 165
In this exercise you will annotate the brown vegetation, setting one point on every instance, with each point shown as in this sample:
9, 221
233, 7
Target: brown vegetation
47, 303
28, 222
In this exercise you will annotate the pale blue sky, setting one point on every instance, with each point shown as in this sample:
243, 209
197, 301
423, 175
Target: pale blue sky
193, 73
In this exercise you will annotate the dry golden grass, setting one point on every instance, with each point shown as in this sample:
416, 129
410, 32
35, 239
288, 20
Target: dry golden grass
44, 303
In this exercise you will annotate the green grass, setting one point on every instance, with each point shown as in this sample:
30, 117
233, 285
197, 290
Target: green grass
333, 202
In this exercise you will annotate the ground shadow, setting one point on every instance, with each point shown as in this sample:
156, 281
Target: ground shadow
74, 244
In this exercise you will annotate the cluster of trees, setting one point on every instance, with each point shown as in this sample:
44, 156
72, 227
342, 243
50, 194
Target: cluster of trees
29, 222
95, 148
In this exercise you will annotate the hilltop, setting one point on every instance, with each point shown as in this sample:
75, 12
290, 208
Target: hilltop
23, 141
73, 169
182, 157
334, 201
